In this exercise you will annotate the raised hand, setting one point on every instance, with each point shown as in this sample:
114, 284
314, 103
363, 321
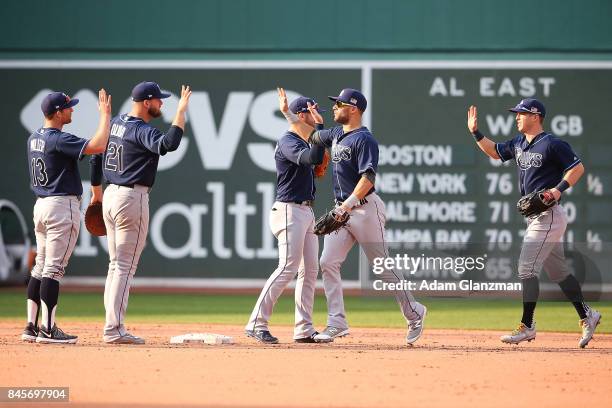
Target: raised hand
104, 102
184, 101
282, 100
315, 113
472, 119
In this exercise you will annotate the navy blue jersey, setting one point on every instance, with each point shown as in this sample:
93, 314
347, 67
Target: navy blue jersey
294, 181
352, 154
132, 152
541, 163
52, 158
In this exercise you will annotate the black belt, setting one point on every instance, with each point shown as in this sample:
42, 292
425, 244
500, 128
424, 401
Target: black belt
309, 203
78, 197
130, 185
127, 185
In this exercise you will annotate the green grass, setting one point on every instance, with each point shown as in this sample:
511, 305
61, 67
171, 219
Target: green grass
361, 311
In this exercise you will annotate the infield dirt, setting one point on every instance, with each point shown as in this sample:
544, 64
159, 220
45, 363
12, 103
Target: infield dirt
369, 368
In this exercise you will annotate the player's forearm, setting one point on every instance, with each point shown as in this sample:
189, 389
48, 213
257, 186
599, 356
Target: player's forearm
488, 147
97, 144
574, 174
485, 144
179, 119
363, 187
172, 138
315, 139
314, 155
95, 170
96, 193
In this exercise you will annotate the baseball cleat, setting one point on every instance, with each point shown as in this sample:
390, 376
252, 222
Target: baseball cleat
127, 339
589, 324
55, 335
330, 333
30, 333
309, 339
415, 327
522, 333
262, 336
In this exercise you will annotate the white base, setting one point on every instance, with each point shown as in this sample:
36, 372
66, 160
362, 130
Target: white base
206, 338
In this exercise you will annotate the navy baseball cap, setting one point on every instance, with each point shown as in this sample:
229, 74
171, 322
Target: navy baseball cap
530, 105
301, 105
148, 90
351, 97
56, 101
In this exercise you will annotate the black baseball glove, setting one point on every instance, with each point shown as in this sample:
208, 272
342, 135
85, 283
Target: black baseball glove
94, 220
535, 202
330, 222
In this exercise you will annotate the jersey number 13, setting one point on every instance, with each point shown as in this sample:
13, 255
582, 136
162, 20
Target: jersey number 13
39, 173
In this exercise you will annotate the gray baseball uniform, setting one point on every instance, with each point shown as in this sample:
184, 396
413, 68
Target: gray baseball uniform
129, 165
542, 162
55, 179
292, 223
353, 154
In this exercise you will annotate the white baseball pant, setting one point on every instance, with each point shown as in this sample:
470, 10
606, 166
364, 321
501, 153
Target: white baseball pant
367, 227
126, 216
543, 247
298, 247
57, 220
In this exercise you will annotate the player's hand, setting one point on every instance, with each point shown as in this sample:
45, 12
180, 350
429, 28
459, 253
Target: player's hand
104, 102
472, 119
340, 212
315, 113
282, 100
556, 193
184, 101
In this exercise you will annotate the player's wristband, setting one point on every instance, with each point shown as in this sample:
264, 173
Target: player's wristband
351, 201
477, 135
562, 186
319, 126
291, 117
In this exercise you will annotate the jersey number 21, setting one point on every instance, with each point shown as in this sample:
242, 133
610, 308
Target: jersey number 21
114, 157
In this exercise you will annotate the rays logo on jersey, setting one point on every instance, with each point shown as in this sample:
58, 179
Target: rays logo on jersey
340, 153
526, 160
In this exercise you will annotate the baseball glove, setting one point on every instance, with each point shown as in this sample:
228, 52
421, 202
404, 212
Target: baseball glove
327, 223
94, 221
535, 202
320, 169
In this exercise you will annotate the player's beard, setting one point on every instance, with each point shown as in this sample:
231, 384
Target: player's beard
154, 112
341, 117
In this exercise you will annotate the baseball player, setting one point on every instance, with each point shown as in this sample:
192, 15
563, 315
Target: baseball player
129, 165
544, 162
292, 223
355, 162
56, 182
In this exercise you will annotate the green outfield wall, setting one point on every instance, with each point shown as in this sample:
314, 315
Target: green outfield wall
421, 64
381, 27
